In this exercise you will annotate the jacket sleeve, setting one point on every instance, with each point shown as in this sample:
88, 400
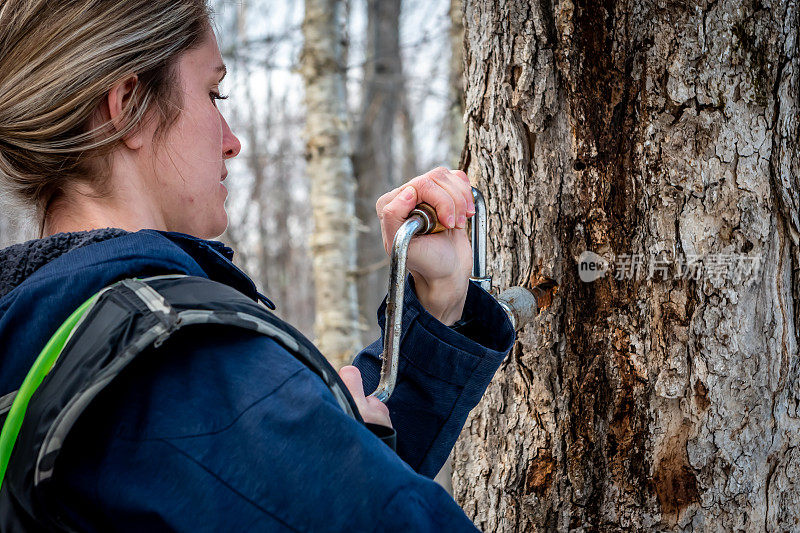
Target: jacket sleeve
220, 432
442, 373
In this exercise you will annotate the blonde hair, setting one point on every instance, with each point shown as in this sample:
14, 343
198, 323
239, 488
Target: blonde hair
58, 60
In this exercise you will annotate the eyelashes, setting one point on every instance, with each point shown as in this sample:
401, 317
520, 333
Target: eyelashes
217, 96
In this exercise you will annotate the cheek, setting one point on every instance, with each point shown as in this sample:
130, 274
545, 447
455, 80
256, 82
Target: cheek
198, 135
210, 124
207, 148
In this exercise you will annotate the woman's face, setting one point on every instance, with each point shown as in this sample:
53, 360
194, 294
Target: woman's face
189, 160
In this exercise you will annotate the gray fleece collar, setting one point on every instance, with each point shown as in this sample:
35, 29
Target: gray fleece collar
19, 261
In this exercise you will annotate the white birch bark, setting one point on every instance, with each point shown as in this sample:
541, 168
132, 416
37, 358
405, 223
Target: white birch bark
332, 184
665, 129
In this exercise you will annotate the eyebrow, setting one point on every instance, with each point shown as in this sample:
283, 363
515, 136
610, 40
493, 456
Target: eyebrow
221, 69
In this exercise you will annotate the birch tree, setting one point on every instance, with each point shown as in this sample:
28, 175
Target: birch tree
332, 184
663, 137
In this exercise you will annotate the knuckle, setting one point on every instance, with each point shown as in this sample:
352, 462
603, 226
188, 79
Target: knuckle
383, 199
426, 185
390, 211
432, 184
417, 182
439, 173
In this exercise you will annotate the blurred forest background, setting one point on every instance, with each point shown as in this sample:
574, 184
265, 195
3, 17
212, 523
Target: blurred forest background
403, 119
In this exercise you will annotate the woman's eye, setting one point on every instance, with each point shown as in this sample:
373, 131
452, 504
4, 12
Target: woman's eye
217, 96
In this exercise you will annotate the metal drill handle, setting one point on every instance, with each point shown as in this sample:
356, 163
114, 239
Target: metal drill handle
421, 221
478, 229
519, 303
416, 223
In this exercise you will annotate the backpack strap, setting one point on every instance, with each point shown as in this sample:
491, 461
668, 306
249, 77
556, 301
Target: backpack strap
17, 401
95, 345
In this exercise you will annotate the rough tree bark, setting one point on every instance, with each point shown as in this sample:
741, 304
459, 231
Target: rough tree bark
332, 185
666, 129
374, 162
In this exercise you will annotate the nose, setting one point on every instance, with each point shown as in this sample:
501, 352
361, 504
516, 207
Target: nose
230, 143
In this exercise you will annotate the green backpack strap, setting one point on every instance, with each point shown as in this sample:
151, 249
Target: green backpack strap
41, 367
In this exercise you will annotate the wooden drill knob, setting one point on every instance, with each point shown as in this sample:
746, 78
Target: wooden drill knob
429, 213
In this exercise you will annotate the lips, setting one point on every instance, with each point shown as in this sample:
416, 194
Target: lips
224, 176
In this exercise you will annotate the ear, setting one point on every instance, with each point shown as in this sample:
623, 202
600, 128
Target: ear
118, 100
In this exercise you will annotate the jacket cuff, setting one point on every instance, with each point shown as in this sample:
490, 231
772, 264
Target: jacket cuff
486, 334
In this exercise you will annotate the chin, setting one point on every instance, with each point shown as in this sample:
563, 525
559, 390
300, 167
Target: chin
208, 228
218, 228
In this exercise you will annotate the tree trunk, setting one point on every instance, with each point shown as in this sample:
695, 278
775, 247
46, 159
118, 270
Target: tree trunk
374, 162
657, 134
456, 85
332, 184
410, 166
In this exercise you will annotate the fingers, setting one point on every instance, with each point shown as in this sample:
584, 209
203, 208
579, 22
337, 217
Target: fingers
468, 198
456, 185
386, 198
372, 410
449, 192
459, 192
442, 195
396, 205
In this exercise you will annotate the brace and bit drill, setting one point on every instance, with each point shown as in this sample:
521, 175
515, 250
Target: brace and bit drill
521, 304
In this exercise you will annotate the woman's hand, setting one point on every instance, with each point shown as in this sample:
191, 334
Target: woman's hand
372, 409
440, 263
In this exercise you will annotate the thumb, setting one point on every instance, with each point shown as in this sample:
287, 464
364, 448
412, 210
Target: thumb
395, 212
352, 380
372, 410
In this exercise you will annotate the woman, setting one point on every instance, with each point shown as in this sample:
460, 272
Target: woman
110, 132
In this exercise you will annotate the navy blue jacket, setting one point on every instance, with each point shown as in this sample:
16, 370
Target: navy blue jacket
229, 431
